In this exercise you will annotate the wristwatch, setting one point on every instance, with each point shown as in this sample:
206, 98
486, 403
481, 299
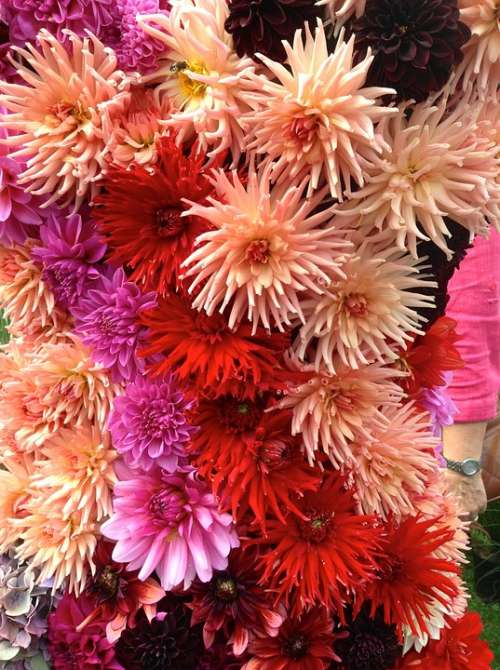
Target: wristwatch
468, 468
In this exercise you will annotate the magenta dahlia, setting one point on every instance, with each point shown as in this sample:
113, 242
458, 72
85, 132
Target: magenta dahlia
27, 17
106, 320
69, 250
169, 523
86, 649
149, 424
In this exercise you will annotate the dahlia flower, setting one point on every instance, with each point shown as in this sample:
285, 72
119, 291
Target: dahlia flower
434, 164
58, 114
324, 557
149, 424
234, 603
206, 355
439, 405
412, 585
23, 611
182, 535
15, 476
60, 547
133, 135
18, 216
393, 463
56, 386
318, 121
69, 250
481, 63
26, 18
330, 410
367, 643
432, 357
118, 595
71, 647
156, 197
458, 648
304, 643
260, 27
266, 247
372, 306
107, 320
136, 51
74, 469
207, 83
340, 11
416, 46
167, 642
260, 471
26, 300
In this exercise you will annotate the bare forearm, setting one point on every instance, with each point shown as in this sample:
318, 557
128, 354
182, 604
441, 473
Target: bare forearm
464, 440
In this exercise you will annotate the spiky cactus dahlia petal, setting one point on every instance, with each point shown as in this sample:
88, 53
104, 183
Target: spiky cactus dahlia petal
58, 114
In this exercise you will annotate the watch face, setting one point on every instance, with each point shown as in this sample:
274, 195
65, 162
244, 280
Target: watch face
470, 467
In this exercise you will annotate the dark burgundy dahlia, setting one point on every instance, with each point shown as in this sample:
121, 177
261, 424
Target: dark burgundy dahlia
259, 26
367, 644
168, 642
416, 43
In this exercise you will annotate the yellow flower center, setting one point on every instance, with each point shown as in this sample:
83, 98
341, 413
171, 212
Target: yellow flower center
190, 88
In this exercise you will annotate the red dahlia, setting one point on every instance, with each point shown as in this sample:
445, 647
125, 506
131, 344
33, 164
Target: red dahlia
234, 603
412, 583
302, 644
458, 648
261, 471
431, 355
325, 557
140, 211
207, 355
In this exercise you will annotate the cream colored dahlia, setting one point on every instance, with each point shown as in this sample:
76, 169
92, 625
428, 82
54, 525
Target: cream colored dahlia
26, 300
373, 306
315, 118
58, 114
340, 11
481, 63
201, 75
435, 164
74, 470
71, 386
266, 247
332, 410
14, 491
393, 462
61, 548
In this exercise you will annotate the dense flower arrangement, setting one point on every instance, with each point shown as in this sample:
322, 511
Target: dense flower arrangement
226, 229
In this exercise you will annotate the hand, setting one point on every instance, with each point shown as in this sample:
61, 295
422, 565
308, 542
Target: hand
470, 494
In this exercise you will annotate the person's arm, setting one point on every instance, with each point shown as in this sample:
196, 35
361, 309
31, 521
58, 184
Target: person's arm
463, 441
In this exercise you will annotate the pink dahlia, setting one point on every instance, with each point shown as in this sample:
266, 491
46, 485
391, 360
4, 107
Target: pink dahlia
149, 424
107, 321
340, 11
266, 248
481, 63
375, 304
58, 114
27, 17
69, 250
435, 164
393, 464
136, 50
331, 410
318, 121
169, 523
207, 83
70, 647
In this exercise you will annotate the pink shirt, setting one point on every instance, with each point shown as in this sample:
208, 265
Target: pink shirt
475, 304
